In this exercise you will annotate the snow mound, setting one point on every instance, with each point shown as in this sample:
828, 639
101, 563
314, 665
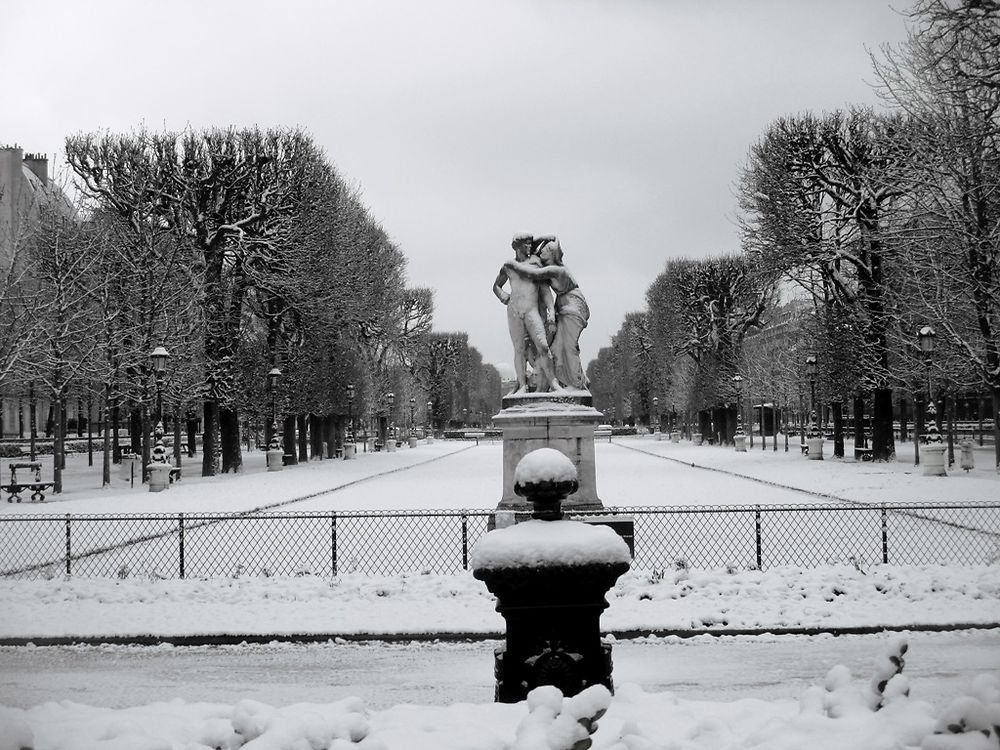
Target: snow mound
540, 543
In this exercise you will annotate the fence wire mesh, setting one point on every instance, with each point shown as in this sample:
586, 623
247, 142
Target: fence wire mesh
211, 545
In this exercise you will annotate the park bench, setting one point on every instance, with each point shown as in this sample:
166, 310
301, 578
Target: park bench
804, 447
862, 454
603, 430
36, 486
175, 474
476, 435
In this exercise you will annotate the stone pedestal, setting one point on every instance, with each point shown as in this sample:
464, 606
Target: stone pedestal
563, 421
413, 441
390, 445
932, 459
696, 438
675, 436
741, 443
159, 477
350, 451
815, 448
275, 460
129, 465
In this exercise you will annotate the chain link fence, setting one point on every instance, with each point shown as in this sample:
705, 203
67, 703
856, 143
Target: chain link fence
210, 545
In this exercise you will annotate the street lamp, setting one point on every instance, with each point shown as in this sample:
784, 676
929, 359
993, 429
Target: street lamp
430, 418
925, 337
738, 382
413, 405
656, 414
159, 357
350, 412
811, 372
273, 377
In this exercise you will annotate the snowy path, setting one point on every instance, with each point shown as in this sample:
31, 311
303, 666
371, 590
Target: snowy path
704, 668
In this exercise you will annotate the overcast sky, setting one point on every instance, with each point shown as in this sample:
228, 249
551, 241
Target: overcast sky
620, 125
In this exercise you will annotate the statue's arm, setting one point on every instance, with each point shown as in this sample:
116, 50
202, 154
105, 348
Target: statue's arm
498, 290
533, 272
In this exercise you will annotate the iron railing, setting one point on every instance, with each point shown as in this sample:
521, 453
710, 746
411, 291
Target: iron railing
207, 545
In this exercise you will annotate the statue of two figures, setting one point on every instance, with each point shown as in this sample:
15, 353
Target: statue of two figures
546, 313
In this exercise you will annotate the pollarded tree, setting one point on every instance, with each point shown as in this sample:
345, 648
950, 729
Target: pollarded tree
818, 196
946, 78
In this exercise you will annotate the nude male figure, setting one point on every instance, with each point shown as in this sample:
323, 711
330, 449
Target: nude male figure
524, 317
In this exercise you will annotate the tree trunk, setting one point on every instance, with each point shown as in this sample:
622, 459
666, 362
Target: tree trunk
63, 431
106, 459
147, 428
329, 429
116, 449
57, 447
838, 428
177, 437
883, 443
135, 430
316, 437
949, 405
300, 422
192, 435
291, 453
918, 428
859, 422
996, 426
229, 434
209, 439
902, 420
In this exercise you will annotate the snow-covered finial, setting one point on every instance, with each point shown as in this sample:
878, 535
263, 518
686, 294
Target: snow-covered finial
546, 477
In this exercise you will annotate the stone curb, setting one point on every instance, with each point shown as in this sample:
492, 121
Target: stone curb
470, 637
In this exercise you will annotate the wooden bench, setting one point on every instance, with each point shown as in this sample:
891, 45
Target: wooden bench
862, 454
475, 435
175, 474
804, 447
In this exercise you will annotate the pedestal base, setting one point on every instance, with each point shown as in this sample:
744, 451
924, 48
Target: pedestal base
553, 627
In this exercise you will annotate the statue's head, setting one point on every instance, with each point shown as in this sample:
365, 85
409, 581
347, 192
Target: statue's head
551, 252
522, 245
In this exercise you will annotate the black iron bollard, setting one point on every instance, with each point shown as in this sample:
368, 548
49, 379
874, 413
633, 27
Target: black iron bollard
553, 597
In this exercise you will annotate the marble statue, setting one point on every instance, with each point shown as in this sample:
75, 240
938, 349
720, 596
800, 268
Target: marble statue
536, 273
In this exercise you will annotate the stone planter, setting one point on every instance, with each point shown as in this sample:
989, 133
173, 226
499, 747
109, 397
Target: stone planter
275, 460
932, 459
413, 442
159, 477
127, 465
697, 438
675, 437
350, 451
741, 443
815, 445
390, 445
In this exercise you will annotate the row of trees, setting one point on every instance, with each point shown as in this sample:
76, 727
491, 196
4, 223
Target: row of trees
239, 250
881, 221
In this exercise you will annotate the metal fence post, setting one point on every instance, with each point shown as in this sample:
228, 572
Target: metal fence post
180, 541
465, 541
69, 551
333, 543
885, 536
756, 518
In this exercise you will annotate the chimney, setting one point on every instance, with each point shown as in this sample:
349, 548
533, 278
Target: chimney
39, 165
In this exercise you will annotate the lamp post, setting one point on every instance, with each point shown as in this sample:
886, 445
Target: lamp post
430, 421
390, 438
811, 372
934, 447
656, 417
350, 412
275, 453
350, 447
739, 438
159, 471
413, 434
158, 357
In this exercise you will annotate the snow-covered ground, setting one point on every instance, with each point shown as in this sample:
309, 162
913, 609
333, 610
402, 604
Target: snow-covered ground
836, 714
